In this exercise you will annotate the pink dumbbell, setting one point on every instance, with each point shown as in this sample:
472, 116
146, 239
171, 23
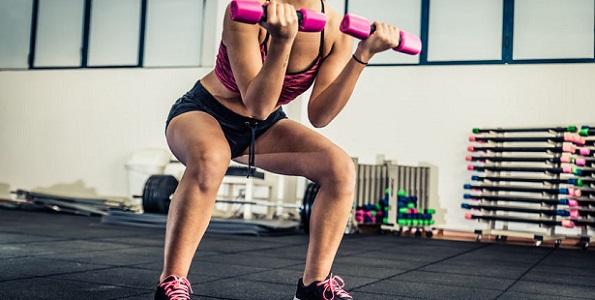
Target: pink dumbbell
580, 162
568, 223
575, 192
360, 27
568, 148
252, 12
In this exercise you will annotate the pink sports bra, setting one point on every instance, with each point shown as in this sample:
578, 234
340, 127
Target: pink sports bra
294, 84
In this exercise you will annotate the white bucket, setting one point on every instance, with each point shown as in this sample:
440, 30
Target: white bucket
141, 165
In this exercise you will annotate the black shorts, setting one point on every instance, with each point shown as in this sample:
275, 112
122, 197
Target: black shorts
239, 131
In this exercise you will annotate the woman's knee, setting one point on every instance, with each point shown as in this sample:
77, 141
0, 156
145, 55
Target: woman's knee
206, 170
339, 171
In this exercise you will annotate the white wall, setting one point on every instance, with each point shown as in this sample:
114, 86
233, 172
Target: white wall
63, 126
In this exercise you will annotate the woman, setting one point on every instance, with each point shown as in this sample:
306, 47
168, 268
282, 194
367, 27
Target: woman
235, 112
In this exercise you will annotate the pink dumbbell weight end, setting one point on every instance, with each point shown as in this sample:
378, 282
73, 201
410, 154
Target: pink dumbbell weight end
568, 223
252, 12
360, 27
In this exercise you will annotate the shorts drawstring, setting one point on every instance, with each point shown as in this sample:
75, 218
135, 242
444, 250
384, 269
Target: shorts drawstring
252, 151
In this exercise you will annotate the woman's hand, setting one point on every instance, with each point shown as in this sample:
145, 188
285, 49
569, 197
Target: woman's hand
282, 21
384, 37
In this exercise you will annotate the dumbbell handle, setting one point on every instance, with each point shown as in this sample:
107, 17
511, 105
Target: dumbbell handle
360, 27
252, 12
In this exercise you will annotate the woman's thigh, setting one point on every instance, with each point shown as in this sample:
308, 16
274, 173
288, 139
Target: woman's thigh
290, 148
197, 141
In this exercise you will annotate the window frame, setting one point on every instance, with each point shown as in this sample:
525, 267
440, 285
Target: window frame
507, 41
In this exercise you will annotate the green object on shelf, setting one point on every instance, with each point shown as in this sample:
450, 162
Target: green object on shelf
378, 206
408, 222
430, 211
432, 222
373, 212
402, 193
402, 222
475, 130
385, 220
415, 222
411, 205
579, 182
571, 128
576, 171
584, 132
404, 210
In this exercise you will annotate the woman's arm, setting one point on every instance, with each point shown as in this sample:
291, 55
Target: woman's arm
339, 73
260, 83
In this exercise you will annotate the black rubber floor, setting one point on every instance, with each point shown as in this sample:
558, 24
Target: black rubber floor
58, 256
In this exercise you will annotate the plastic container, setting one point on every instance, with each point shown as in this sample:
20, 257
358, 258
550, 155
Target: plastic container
141, 165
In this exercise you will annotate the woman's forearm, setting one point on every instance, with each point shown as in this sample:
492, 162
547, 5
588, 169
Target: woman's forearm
264, 90
328, 104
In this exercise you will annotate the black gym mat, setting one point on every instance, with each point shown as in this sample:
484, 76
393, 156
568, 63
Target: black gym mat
217, 225
60, 256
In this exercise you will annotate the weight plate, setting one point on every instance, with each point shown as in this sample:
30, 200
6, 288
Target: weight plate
307, 203
157, 192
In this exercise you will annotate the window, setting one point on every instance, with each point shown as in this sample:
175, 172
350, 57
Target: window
114, 33
59, 33
405, 14
553, 29
465, 30
174, 33
15, 27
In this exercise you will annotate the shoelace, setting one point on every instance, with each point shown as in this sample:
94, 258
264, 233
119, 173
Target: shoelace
178, 289
334, 285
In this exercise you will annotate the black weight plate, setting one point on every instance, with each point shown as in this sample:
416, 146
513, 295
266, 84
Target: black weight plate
305, 209
148, 205
307, 203
167, 186
157, 192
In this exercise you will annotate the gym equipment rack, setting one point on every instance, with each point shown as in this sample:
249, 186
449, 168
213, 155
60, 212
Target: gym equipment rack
385, 179
508, 188
381, 182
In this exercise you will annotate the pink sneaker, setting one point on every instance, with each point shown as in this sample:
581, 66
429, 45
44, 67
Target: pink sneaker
329, 289
173, 288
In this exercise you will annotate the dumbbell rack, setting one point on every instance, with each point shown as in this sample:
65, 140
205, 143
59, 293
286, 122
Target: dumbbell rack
507, 161
384, 179
416, 181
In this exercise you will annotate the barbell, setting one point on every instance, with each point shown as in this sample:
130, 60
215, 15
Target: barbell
159, 189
